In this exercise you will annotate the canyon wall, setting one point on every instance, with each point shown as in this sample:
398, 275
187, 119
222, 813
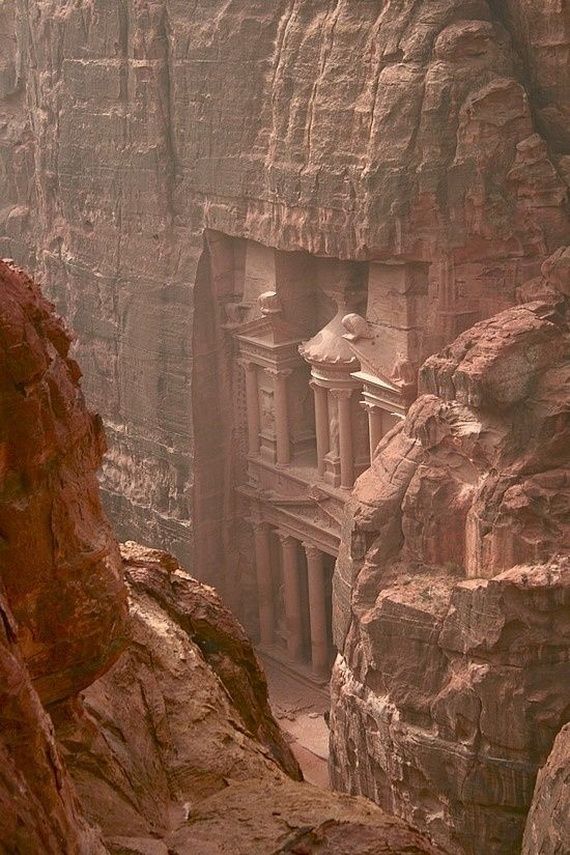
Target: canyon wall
452, 591
427, 131
172, 746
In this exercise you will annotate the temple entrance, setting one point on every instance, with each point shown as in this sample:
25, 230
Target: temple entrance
294, 600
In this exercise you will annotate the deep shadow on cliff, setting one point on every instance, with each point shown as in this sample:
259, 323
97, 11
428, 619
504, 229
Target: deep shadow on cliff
144, 729
452, 592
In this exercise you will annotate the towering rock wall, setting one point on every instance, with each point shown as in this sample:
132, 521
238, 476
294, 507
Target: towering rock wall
424, 130
62, 599
452, 591
174, 748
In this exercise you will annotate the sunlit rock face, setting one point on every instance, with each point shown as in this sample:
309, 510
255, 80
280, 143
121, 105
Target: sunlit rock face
430, 131
452, 589
59, 561
62, 599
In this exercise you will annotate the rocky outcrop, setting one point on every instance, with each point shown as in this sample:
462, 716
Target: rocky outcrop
181, 715
173, 741
39, 810
547, 829
62, 600
145, 123
67, 596
175, 749
453, 585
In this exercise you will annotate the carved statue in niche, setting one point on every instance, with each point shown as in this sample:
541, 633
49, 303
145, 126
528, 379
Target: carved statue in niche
280, 619
334, 428
301, 404
403, 372
267, 411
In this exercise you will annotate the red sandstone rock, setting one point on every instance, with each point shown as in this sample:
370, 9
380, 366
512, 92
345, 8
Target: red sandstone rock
39, 811
453, 588
427, 131
59, 561
547, 829
175, 749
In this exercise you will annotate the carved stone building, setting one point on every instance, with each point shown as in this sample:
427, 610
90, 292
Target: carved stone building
320, 359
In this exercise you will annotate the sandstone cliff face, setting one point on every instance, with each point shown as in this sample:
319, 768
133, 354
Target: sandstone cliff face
62, 601
424, 130
59, 560
453, 586
547, 829
39, 811
141, 763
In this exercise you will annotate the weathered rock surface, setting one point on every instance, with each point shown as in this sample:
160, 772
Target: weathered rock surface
453, 586
548, 825
182, 717
59, 560
182, 714
39, 811
129, 128
62, 600
175, 749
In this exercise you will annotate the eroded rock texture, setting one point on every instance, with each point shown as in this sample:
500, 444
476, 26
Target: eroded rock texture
62, 600
59, 560
431, 131
453, 587
39, 810
548, 825
175, 743
175, 749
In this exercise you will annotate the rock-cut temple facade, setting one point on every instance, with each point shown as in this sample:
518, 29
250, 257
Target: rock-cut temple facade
320, 359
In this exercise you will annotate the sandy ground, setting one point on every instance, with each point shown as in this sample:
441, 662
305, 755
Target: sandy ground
298, 706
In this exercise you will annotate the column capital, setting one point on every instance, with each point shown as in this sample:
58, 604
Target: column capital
247, 364
371, 407
257, 523
286, 539
279, 372
312, 551
342, 394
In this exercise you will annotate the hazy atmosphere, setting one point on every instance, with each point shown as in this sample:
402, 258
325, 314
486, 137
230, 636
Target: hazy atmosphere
285, 427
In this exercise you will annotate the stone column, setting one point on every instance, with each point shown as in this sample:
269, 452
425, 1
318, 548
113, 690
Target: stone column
283, 453
252, 404
292, 596
375, 426
264, 574
321, 424
317, 609
344, 397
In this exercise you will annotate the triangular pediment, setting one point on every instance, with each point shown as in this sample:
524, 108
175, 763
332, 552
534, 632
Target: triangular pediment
322, 513
269, 331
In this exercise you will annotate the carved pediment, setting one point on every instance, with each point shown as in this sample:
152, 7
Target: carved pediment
269, 331
323, 512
